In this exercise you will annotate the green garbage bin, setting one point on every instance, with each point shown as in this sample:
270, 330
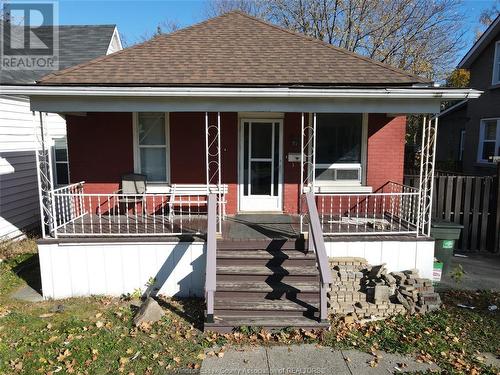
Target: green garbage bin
446, 234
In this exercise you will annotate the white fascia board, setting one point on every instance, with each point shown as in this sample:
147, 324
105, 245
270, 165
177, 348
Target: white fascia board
249, 92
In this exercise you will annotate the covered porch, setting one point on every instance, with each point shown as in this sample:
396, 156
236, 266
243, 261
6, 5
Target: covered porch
225, 213
254, 162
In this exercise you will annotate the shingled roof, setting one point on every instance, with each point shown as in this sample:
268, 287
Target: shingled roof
230, 50
77, 44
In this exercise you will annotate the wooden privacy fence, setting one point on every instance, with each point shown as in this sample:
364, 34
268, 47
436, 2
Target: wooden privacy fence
466, 200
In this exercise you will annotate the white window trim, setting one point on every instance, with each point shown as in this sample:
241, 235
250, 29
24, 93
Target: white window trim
330, 185
153, 186
495, 76
481, 140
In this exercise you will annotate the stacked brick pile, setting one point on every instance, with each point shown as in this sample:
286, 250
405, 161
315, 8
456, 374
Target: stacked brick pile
416, 294
363, 291
347, 274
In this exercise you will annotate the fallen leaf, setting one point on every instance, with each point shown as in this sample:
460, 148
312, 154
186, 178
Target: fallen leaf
99, 324
48, 315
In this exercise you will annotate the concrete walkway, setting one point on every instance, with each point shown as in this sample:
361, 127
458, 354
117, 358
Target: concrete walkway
308, 359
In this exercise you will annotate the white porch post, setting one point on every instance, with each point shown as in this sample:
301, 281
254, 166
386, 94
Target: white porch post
307, 157
214, 162
45, 181
427, 162
308, 153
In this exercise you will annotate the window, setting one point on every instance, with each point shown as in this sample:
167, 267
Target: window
496, 65
489, 140
61, 161
151, 139
461, 146
339, 148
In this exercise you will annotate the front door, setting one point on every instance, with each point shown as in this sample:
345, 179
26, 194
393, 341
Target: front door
260, 172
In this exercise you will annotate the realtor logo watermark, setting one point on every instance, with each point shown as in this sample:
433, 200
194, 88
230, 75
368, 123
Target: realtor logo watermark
30, 36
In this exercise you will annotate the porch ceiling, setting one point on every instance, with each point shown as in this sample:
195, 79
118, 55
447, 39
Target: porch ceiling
226, 99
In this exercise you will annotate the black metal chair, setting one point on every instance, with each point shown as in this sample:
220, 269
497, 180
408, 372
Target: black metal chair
133, 191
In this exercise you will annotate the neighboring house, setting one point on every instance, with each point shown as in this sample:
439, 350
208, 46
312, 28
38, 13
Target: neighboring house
201, 160
470, 131
19, 198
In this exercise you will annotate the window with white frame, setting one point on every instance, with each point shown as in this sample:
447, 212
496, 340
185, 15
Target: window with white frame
152, 151
61, 165
489, 140
339, 148
496, 65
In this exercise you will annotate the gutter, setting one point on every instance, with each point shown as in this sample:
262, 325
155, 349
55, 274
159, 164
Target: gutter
224, 92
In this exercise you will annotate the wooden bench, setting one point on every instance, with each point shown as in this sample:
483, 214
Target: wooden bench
179, 192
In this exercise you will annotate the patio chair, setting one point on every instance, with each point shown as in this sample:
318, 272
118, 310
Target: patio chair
133, 191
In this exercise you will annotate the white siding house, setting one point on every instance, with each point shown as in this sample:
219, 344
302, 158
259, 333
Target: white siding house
19, 209
20, 130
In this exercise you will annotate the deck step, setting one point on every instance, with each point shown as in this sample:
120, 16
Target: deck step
267, 262
268, 271
262, 286
226, 323
264, 254
271, 245
263, 305
265, 283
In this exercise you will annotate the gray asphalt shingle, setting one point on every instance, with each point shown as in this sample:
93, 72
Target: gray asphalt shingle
77, 44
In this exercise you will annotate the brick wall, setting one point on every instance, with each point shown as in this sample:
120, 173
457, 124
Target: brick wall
291, 171
101, 151
385, 152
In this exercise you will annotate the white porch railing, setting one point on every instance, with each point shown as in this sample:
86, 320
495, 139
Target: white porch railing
393, 209
79, 214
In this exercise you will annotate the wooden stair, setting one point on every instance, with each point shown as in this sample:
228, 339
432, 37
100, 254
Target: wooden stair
265, 283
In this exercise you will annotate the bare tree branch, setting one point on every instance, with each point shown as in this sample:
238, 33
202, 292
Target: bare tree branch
421, 36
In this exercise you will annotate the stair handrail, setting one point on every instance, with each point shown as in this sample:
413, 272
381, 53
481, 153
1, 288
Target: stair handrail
317, 242
211, 261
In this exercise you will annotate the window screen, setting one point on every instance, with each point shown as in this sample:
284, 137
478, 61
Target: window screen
152, 143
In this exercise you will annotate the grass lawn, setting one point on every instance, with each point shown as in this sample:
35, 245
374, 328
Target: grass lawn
95, 335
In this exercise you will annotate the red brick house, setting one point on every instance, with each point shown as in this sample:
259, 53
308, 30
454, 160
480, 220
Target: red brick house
256, 153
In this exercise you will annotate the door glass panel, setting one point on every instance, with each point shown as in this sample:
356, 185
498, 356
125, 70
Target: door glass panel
261, 140
245, 158
260, 178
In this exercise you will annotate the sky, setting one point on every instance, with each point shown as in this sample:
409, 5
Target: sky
136, 18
